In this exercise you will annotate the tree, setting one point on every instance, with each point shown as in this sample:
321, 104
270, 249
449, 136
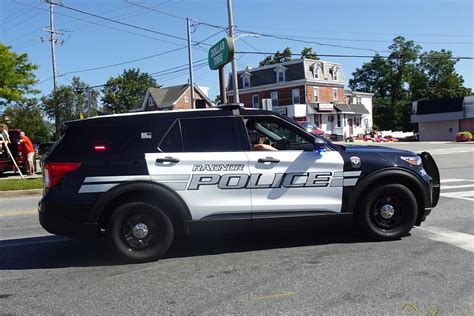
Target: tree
70, 103
277, 58
125, 91
307, 52
399, 79
29, 118
436, 77
402, 62
16, 76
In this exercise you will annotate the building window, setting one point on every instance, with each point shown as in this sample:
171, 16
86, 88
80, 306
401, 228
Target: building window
335, 95
246, 81
274, 96
335, 74
280, 76
150, 102
358, 100
186, 98
296, 96
255, 101
339, 120
316, 94
316, 71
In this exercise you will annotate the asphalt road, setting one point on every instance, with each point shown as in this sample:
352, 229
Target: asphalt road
326, 267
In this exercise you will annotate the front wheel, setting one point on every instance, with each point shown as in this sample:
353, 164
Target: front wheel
140, 231
388, 212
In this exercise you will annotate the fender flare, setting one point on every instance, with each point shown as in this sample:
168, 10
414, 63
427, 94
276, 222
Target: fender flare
390, 173
140, 186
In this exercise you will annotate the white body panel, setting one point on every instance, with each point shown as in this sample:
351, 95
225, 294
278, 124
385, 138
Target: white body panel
207, 199
282, 199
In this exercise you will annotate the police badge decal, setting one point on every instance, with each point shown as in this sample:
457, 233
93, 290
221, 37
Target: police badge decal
355, 161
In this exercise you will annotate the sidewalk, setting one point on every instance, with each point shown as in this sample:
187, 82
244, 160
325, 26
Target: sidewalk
11, 175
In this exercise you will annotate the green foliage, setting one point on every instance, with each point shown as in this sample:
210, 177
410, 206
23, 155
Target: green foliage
285, 55
16, 76
125, 91
436, 77
69, 103
29, 118
406, 76
277, 58
307, 52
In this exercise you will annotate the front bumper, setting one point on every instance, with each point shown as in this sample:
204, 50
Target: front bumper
60, 220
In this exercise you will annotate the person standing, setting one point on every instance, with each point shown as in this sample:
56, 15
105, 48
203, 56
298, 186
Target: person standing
30, 151
5, 139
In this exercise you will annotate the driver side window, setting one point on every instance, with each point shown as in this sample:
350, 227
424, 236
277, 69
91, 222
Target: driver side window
274, 133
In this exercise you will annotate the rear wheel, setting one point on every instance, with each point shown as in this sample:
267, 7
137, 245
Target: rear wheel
388, 212
140, 231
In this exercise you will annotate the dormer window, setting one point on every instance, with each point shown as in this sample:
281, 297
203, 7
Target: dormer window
335, 74
280, 73
150, 102
246, 82
316, 71
246, 79
280, 76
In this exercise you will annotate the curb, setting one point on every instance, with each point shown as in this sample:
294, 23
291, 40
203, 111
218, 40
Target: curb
19, 193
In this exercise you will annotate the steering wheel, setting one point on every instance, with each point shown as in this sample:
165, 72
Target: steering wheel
282, 144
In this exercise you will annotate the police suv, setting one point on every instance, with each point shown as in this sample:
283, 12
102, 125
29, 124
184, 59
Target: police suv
142, 178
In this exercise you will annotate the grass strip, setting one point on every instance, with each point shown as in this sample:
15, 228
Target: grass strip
21, 184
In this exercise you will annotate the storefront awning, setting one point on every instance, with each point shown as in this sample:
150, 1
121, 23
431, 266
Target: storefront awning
351, 108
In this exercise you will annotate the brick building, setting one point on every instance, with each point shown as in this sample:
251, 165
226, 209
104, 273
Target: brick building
307, 90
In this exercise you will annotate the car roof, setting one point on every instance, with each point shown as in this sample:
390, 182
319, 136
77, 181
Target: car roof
136, 117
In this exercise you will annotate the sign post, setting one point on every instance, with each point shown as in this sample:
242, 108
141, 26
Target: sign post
219, 55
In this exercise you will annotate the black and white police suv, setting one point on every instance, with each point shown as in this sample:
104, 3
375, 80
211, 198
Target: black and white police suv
142, 178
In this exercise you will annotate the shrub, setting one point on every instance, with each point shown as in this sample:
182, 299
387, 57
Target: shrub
463, 136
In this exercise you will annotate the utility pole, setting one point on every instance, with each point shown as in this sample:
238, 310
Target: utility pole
190, 57
53, 40
235, 82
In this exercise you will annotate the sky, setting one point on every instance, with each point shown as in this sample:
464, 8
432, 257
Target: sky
158, 45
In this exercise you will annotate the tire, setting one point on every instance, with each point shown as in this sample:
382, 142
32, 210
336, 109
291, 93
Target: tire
151, 238
388, 212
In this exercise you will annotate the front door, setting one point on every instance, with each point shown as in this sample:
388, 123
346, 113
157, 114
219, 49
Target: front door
203, 162
295, 180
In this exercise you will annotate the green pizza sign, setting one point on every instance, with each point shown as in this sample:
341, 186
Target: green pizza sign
221, 53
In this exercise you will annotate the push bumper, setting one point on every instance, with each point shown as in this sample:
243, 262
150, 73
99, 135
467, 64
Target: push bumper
59, 220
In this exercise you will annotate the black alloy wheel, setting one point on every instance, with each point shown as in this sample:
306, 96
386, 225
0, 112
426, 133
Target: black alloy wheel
140, 231
388, 212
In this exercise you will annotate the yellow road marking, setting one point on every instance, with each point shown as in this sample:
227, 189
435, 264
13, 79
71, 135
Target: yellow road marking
267, 297
17, 213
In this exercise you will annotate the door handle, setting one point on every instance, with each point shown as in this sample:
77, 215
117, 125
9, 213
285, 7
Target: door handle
269, 159
167, 159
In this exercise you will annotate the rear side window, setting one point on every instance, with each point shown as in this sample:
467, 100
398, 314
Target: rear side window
210, 134
172, 141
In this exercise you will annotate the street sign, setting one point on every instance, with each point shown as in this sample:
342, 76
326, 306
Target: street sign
221, 53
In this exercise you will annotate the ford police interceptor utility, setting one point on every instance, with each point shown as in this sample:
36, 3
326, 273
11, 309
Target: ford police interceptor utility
142, 178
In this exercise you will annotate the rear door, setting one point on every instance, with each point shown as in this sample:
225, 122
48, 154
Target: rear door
203, 161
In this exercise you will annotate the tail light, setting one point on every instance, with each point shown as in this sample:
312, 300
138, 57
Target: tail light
55, 171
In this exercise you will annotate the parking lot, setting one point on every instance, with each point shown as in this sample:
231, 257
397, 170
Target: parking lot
324, 267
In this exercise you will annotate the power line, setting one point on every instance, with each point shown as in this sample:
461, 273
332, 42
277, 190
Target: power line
101, 24
123, 23
156, 10
121, 63
358, 56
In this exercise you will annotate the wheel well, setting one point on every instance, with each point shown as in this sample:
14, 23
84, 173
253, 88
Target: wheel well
165, 204
393, 179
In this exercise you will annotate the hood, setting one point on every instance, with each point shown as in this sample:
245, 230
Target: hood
376, 149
